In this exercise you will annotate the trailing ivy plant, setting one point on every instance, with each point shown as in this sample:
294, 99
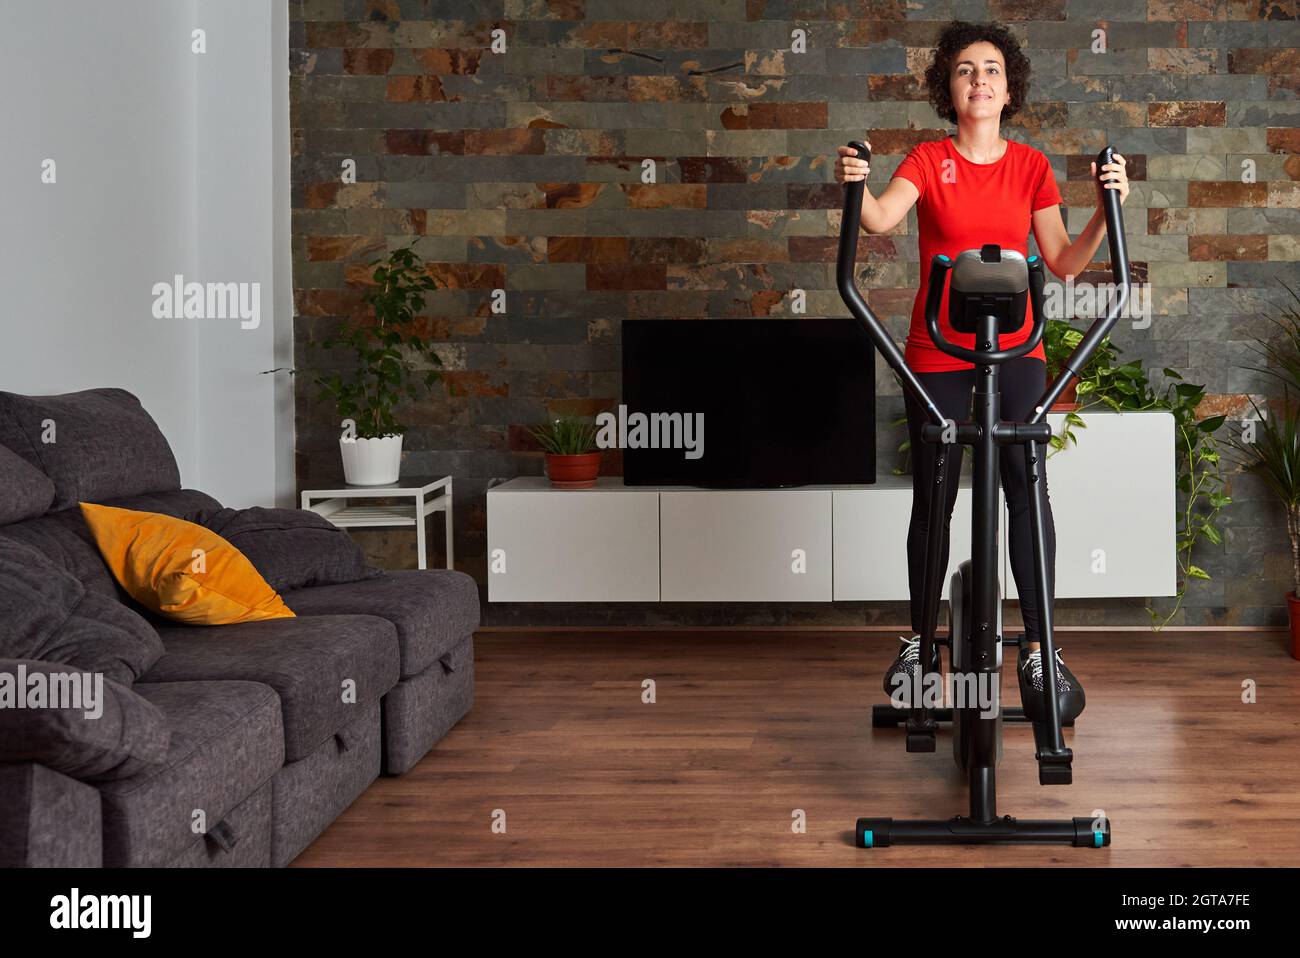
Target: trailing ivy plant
391, 353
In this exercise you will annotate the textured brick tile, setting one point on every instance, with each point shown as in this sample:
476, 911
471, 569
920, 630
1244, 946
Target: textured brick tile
504, 142
1187, 113
647, 196
1221, 193
413, 89
712, 169
424, 142
667, 249
1226, 247
587, 249
561, 196
1272, 61
442, 61
329, 248
367, 61
610, 276
768, 116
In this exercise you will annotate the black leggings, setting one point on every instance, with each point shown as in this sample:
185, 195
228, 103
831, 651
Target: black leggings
1022, 382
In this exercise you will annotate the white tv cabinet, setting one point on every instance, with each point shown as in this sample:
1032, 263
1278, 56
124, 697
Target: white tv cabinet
1112, 498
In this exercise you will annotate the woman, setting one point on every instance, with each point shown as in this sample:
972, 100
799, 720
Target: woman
970, 189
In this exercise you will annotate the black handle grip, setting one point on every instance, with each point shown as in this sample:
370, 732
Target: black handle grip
863, 152
1114, 216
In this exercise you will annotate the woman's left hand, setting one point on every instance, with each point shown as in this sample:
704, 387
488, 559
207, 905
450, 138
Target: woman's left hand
1118, 179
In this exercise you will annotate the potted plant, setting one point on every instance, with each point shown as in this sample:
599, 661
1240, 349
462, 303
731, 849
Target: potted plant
1274, 452
1059, 341
1274, 456
572, 461
391, 360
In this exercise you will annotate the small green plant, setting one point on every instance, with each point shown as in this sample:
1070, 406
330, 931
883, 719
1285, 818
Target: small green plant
1060, 340
391, 354
566, 436
1274, 456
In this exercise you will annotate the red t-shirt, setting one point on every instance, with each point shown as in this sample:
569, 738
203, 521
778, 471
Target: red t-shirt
962, 206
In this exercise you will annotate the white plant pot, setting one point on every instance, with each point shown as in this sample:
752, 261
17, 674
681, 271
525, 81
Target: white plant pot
371, 462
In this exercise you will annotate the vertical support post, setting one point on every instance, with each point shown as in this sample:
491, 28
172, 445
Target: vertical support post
1036, 469
983, 754
932, 582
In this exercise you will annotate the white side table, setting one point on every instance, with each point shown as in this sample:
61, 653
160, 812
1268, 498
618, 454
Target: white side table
423, 494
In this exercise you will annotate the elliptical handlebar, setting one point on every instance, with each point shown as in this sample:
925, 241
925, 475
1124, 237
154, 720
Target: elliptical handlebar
851, 224
1119, 269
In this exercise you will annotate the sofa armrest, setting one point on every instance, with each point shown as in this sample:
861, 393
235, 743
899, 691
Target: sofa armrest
48, 819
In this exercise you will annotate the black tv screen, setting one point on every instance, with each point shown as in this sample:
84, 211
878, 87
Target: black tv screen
781, 402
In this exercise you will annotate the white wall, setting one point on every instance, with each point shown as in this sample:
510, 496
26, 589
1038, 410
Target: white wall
167, 162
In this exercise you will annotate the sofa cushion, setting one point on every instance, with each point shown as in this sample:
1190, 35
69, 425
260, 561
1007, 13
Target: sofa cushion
47, 614
94, 445
226, 743
82, 725
433, 610
180, 570
291, 548
25, 491
323, 668
65, 539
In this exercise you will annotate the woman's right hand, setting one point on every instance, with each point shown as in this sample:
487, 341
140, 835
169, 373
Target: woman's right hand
850, 169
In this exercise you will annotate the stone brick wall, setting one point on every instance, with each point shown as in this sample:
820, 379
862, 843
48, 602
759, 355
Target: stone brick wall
522, 171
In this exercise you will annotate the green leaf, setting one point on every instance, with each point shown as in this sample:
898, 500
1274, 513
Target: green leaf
1197, 572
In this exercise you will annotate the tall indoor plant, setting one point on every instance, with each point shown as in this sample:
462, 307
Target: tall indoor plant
390, 360
1272, 452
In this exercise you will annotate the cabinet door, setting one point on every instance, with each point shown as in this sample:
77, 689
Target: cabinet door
871, 541
548, 546
1113, 502
745, 545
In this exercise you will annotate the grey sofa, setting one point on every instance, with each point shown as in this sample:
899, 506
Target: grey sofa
223, 746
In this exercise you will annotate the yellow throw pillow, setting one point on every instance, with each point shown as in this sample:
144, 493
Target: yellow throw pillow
181, 570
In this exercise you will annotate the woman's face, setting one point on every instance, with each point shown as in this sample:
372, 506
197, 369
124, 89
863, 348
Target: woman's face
978, 82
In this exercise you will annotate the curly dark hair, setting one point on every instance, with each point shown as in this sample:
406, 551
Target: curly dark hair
957, 36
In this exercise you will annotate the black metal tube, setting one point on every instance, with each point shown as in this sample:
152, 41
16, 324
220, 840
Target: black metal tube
932, 582
1034, 468
847, 284
1100, 329
987, 410
1001, 832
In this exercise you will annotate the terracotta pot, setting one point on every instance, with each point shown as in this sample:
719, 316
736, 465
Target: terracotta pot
1293, 613
1068, 400
573, 472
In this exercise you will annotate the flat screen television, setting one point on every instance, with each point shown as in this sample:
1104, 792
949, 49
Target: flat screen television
759, 403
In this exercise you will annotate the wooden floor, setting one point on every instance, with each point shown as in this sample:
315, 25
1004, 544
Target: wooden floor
748, 727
